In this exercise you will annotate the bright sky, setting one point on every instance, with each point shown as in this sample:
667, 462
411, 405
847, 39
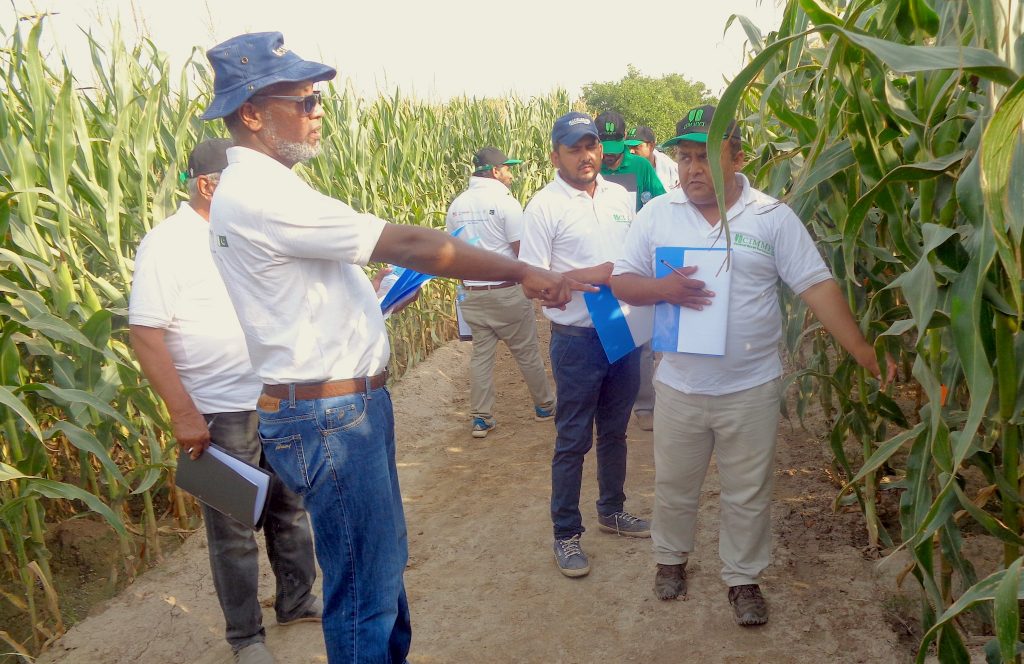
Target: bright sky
442, 48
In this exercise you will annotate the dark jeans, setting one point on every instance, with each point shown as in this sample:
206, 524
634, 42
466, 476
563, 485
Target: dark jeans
234, 557
590, 391
339, 455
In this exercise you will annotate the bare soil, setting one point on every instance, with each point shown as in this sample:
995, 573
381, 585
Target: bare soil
481, 578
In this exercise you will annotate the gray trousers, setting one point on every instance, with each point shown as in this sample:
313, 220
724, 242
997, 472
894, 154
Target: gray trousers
505, 315
234, 557
645, 396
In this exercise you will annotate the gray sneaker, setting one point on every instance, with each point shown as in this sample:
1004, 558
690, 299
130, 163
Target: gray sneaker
570, 558
625, 524
254, 653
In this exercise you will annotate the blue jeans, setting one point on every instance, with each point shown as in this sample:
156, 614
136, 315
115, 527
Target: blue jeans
339, 455
234, 557
589, 391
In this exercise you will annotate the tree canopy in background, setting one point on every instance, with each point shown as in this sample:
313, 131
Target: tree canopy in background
644, 100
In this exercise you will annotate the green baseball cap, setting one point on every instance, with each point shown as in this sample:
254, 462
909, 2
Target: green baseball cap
638, 135
611, 129
694, 127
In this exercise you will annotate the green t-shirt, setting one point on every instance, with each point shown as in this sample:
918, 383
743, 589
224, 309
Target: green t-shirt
636, 174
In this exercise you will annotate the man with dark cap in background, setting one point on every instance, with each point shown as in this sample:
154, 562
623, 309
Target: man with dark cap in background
188, 341
640, 141
291, 259
488, 216
635, 174
619, 165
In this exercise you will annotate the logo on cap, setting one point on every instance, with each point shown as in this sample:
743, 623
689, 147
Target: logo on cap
577, 121
280, 51
609, 127
695, 118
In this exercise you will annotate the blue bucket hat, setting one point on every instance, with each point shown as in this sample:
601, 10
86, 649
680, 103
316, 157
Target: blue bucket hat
571, 127
244, 65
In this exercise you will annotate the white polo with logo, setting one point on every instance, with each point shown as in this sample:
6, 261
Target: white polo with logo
176, 288
769, 243
290, 258
490, 216
567, 229
667, 170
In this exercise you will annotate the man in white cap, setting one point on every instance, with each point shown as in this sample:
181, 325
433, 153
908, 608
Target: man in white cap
489, 216
191, 348
291, 259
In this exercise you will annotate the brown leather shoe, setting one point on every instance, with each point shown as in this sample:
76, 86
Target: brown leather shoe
670, 581
748, 604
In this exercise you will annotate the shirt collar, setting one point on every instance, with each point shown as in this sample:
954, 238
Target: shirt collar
571, 191
242, 155
678, 195
189, 212
487, 183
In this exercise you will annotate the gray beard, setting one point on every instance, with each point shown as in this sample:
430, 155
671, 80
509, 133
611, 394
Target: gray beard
297, 152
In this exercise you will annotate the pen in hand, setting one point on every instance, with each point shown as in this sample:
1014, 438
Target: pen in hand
680, 273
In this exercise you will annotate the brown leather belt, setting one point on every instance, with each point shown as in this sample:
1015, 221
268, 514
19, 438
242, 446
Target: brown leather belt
504, 284
332, 388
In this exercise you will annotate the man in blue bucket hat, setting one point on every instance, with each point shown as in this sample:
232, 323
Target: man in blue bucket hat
292, 260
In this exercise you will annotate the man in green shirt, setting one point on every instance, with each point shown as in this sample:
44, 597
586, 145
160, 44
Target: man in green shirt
619, 165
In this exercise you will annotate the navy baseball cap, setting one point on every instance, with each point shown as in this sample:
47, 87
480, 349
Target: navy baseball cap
244, 65
694, 127
571, 128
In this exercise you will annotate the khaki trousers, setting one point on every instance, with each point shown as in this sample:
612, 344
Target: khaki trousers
741, 429
503, 314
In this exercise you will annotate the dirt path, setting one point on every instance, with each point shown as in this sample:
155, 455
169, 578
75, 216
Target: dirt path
481, 579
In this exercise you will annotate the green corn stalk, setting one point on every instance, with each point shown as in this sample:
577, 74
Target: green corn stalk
893, 129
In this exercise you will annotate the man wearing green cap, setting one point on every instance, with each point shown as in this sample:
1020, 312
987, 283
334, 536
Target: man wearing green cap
488, 215
641, 142
619, 165
727, 404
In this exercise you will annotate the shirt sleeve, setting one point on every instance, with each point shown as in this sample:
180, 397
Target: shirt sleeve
797, 259
513, 212
155, 288
538, 234
638, 255
311, 225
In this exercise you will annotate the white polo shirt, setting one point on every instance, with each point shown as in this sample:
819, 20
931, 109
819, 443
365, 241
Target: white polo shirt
491, 216
291, 258
565, 229
176, 288
769, 243
667, 170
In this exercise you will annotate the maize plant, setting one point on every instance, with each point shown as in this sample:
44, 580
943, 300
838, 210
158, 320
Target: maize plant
88, 164
893, 128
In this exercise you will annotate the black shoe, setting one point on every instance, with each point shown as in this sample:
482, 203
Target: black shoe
748, 604
670, 581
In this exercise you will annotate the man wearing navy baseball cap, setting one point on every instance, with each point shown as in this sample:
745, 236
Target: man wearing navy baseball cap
577, 225
292, 259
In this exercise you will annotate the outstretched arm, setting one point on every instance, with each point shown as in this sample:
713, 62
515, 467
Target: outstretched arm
830, 307
434, 252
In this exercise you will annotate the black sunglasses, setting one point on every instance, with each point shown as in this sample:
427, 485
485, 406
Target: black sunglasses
309, 102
